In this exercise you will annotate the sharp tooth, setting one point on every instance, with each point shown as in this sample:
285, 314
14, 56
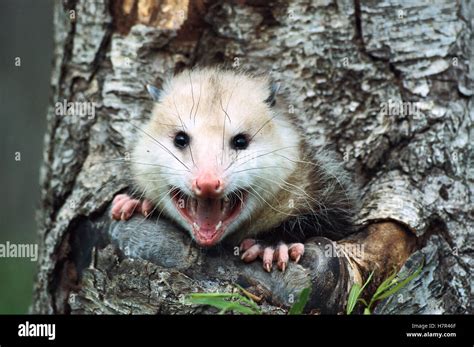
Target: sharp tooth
218, 226
196, 226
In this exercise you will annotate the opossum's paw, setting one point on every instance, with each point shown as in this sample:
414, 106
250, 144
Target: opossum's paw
124, 206
280, 254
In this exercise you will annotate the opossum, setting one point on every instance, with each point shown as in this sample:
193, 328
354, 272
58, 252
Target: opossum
224, 159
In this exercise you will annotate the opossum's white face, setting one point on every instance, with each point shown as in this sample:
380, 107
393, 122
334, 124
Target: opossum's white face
214, 152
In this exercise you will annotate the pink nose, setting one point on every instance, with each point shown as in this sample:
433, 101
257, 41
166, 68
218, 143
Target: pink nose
207, 185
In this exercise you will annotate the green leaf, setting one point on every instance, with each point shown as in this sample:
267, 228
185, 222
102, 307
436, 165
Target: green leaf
222, 305
222, 301
210, 295
395, 288
237, 307
367, 311
353, 297
249, 301
299, 305
383, 286
354, 294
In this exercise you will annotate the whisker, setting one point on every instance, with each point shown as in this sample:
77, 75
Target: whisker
305, 195
263, 126
163, 146
177, 113
322, 172
163, 208
258, 196
192, 94
223, 132
287, 183
136, 162
259, 156
257, 168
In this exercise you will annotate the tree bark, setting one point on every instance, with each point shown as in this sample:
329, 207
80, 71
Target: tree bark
339, 63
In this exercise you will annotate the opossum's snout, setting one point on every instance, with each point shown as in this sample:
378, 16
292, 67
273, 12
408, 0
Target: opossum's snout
208, 210
208, 186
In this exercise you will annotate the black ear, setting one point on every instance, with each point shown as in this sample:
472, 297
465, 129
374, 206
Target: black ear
154, 92
274, 88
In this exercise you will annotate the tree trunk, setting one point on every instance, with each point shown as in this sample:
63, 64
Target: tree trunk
340, 64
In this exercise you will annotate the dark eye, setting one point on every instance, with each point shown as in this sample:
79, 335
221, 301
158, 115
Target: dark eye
240, 141
181, 140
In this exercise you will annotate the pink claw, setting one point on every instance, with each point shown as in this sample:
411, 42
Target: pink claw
268, 258
246, 244
296, 251
123, 207
281, 257
280, 254
252, 253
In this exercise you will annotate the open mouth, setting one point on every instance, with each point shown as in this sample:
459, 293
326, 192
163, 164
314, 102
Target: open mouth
208, 217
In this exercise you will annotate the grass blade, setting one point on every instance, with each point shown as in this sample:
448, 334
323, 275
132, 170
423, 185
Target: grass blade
299, 305
224, 302
354, 294
395, 288
384, 285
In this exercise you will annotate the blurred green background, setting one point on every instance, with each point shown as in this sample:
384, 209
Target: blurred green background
26, 31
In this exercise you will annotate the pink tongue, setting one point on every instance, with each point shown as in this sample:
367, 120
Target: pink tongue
208, 213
